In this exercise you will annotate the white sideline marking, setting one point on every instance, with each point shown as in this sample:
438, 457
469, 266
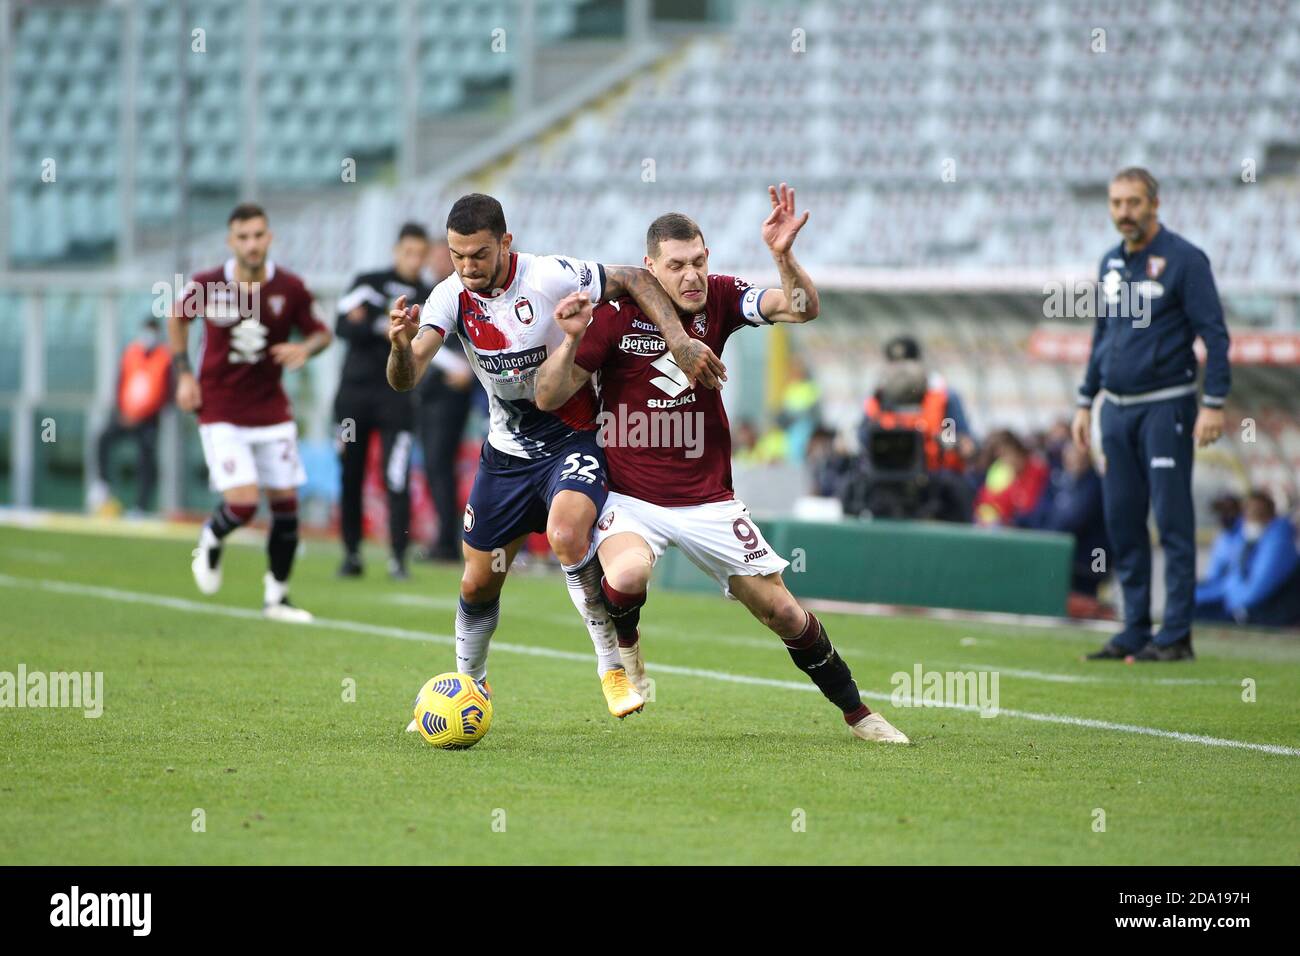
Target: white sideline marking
358, 627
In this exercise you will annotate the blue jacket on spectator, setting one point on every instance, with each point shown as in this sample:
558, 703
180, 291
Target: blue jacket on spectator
1226, 548
1256, 582
1073, 504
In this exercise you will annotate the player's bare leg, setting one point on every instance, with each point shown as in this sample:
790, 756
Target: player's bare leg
627, 562
236, 508
568, 529
771, 602
281, 548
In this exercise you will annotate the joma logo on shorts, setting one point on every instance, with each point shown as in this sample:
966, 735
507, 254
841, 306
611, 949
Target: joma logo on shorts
755, 555
1163, 463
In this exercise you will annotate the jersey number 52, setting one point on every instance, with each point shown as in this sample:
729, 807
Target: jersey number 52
575, 469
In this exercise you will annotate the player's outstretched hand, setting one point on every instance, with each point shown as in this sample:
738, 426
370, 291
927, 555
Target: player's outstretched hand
573, 313
782, 225
699, 363
188, 396
403, 323
292, 355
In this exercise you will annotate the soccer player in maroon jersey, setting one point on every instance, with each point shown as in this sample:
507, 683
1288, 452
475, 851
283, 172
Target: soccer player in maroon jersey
668, 445
248, 306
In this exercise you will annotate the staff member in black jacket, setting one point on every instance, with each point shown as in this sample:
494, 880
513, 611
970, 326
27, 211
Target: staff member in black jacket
1158, 296
365, 402
445, 396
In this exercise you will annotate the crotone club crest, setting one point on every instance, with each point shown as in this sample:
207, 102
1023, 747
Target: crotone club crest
1155, 266
701, 324
524, 311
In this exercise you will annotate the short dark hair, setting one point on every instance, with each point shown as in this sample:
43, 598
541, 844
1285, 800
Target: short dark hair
475, 212
1141, 175
245, 211
1262, 497
413, 230
671, 225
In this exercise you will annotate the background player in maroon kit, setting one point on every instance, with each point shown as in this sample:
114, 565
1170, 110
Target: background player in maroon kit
249, 306
670, 475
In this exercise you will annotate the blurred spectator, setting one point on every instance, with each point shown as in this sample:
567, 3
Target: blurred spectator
1254, 573
829, 465
800, 411
365, 404
143, 388
911, 464
1073, 504
744, 442
445, 395
1225, 549
905, 348
1014, 484
1054, 443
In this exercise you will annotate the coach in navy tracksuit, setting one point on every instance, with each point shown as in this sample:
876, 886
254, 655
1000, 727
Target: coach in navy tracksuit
1157, 295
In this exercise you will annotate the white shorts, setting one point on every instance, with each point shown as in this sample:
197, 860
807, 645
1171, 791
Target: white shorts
720, 537
266, 456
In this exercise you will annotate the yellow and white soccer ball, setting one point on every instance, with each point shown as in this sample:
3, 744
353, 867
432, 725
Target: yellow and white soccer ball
453, 711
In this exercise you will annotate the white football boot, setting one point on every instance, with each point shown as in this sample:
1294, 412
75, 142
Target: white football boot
206, 565
277, 606
634, 664
874, 727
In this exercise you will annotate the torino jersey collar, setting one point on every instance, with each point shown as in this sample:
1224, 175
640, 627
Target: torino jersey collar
228, 270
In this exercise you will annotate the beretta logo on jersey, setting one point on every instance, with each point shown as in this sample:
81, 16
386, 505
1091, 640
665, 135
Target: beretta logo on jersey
641, 344
524, 311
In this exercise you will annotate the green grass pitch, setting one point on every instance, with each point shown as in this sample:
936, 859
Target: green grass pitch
208, 707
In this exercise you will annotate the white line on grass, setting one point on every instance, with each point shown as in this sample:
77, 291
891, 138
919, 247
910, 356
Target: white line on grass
358, 627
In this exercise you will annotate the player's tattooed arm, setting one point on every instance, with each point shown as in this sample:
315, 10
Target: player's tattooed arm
693, 357
412, 346
796, 300
560, 375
